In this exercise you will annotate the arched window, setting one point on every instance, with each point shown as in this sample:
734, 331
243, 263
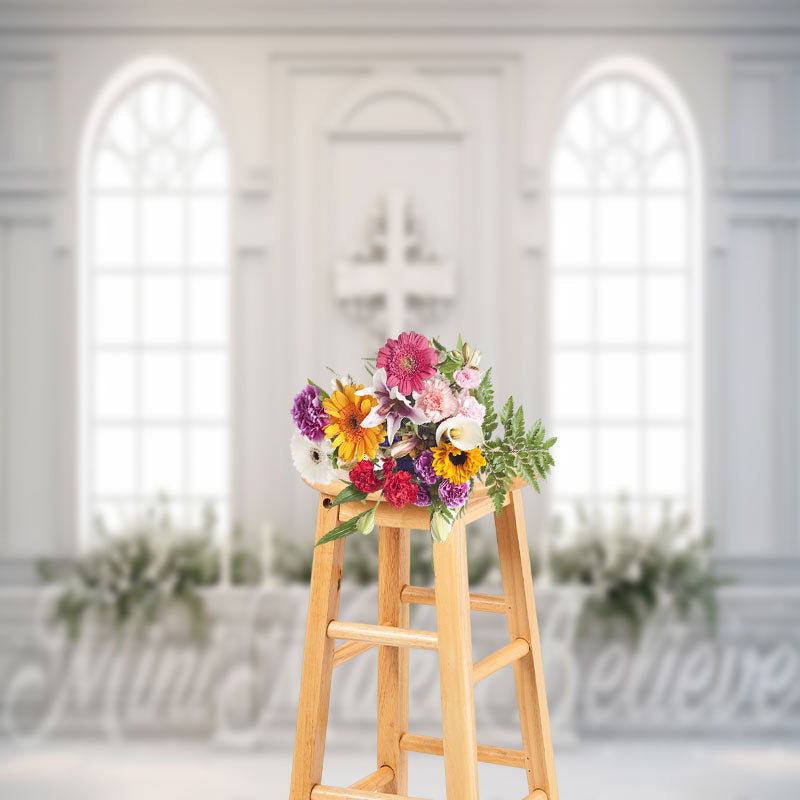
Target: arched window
623, 293
155, 302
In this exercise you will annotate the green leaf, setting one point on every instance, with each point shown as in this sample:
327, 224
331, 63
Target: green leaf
550, 442
438, 345
519, 423
508, 410
344, 529
316, 386
348, 494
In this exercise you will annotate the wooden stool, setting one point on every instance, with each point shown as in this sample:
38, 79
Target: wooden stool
393, 637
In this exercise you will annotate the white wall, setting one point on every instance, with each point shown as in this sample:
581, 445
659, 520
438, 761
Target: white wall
472, 150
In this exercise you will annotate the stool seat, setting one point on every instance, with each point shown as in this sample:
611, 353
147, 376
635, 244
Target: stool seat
479, 505
452, 641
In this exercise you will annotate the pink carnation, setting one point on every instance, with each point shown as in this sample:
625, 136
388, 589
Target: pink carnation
467, 378
469, 407
437, 400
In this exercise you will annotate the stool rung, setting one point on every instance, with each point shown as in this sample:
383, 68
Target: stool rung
343, 653
499, 659
320, 792
491, 755
477, 602
537, 795
383, 634
375, 781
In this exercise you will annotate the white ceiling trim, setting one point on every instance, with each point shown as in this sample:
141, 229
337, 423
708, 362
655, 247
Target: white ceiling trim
437, 16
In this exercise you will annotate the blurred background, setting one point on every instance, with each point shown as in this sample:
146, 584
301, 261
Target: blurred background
603, 197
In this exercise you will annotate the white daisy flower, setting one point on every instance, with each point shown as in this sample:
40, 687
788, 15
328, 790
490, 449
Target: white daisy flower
312, 459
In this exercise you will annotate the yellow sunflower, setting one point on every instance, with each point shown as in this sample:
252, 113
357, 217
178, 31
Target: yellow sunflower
346, 412
457, 466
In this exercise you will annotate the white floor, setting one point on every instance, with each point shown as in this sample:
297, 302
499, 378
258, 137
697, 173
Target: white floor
644, 770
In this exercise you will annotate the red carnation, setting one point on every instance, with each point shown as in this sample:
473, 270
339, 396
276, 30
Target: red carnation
388, 467
399, 490
364, 478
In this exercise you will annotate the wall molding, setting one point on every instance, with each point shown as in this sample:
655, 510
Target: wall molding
542, 16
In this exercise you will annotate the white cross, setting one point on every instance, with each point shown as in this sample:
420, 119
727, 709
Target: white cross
400, 273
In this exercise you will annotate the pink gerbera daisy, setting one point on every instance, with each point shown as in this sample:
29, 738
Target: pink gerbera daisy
408, 361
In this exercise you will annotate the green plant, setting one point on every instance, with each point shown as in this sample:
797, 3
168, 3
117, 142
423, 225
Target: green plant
136, 574
629, 573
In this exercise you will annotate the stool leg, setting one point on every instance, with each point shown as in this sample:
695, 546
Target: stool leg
515, 566
315, 682
455, 665
394, 565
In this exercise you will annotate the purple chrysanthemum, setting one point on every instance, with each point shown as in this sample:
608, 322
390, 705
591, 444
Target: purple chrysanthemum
423, 498
309, 415
453, 495
423, 466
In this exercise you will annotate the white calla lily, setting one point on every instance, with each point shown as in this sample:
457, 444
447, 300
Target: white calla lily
462, 432
440, 527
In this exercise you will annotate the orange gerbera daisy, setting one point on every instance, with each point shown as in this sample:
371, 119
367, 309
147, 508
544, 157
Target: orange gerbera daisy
346, 411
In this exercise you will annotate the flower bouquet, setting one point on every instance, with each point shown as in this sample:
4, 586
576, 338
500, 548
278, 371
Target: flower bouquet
420, 434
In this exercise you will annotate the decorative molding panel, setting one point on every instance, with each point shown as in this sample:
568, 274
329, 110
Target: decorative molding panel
399, 139
27, 105
759, 385
29, 409
765, 120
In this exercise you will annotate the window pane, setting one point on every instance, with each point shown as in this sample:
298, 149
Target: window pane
658, 130
208, 381
666, 321
208, 310
618, 309
569, 171
162, 309
572, 232
208, 232
573, 454
666, 241
114, 385
210, 170
200, 130
666, 464
113, 232
162, 462
111, 171
572, 385
121, 130
114, 461
618, 463
162, 231
665, 385
162, 386
618, 381
114, 317
669, 171
618, 229
571, 310
208, 471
